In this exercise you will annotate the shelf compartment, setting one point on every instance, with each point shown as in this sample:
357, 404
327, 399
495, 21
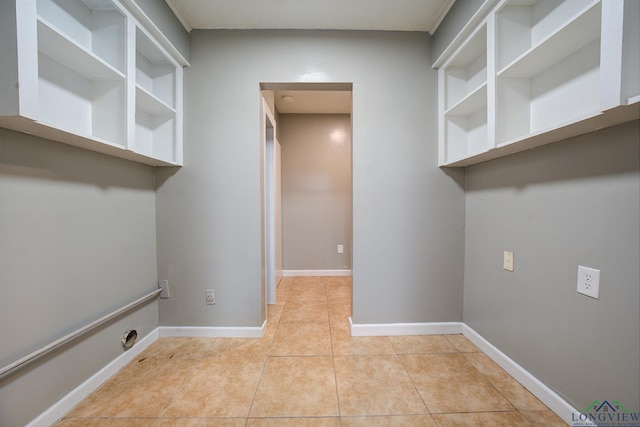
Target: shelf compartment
576, 34
468, 71
630, 52
66, 51
465, 135
474, 101
563, 131
559, 94
96, 25
154, 71
147, 102
523, 24
72, 102
156, 135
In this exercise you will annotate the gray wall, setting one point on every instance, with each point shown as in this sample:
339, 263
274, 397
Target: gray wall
571, 203
316, 190
77, 241
408, 215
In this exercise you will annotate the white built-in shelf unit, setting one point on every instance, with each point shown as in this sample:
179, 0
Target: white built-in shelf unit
526, 73
97, 74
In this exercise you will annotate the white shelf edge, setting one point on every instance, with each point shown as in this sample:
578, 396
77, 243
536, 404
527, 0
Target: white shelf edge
71, 54
82, 135
151, 49
462, 59
583, 125
465, 33
43, 130
548, 130
633, 100
531, 61
152, 29
459, 159
154, 161
469, 98
152, 104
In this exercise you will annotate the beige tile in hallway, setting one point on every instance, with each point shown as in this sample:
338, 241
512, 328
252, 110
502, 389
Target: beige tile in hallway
309, 371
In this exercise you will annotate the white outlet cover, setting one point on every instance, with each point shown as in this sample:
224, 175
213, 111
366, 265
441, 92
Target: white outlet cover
211, 296
589, 281
508, 261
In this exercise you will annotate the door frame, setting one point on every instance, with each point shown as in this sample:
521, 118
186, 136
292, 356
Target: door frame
268, 141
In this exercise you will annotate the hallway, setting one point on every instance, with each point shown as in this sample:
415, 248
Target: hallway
308, 371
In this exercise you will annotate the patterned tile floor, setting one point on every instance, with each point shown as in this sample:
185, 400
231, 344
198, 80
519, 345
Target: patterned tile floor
309, 371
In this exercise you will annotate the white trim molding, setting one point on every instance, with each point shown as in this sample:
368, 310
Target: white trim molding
395, 329
309, 273
547, 396
213, 331
78, 394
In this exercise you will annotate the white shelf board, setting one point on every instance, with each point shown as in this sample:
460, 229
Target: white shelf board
476, 47
474, 101
633, 100
24, 125
152, 104
72, 55
576, 34
55, 128
586, 124
149, 49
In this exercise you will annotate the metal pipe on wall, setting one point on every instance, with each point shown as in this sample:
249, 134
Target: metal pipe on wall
26, 360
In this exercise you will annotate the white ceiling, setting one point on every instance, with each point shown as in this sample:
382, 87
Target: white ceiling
313, 101
376, 15
382, 15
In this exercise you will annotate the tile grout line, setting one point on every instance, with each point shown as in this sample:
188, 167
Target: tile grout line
175, 392
488, 379
412, 382
264, 366
333, 357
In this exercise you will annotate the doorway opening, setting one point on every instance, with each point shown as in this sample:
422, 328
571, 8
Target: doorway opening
307, 207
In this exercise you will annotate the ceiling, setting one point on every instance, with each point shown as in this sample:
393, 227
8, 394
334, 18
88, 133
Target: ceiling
380, 15
372, 15
310, 101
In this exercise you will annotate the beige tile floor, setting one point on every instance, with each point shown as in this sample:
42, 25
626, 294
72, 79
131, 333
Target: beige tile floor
309, 371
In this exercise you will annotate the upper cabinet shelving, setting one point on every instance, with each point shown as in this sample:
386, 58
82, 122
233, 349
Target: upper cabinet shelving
465, 99
88, 73
554, 69
156, 80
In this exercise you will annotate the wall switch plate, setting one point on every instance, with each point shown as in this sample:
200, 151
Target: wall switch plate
507, 263
211, 296
164, 285
589, 282
340, 249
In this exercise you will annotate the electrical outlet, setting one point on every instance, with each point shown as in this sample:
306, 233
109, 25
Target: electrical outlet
507, 263
211, 296
589, 282
340, 249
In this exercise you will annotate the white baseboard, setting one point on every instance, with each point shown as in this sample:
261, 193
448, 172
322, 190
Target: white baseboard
394, 329
307, 273
78, 394
547, 396
213, 331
